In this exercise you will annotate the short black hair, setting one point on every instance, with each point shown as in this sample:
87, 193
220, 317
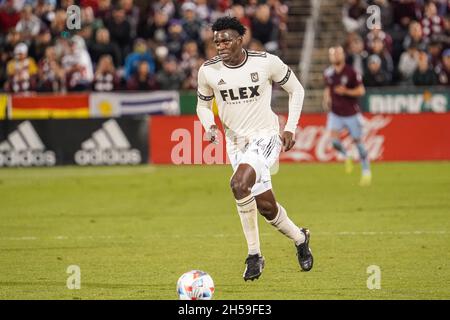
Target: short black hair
232, 23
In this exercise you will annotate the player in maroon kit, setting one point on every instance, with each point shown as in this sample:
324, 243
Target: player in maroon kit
343, 87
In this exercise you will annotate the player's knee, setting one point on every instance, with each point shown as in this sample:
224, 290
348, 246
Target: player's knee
240, 188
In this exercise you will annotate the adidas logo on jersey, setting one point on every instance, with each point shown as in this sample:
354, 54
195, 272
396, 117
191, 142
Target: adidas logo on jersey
221, 82
24, 147
108, 145
242, 93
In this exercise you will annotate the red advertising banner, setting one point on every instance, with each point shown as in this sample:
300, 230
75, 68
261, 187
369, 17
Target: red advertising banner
393, 137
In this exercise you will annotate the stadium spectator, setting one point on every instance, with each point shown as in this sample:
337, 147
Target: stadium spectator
161, 53
279, 13
104, 10
405, 11
77, 65
103, 46
432, 23
203, 11
435, 52
142, 80
93, 4
170, 78
120, 30
176, 38
12, 39
238, 11
132, 13
444, 37
414, 36
250, 8
134, 59
166, 6
21, 71
264, 30
377, 33
356, 54
40, 44
64, 4
386, 59
105, 77
155, 28
408, 64
190, 83
190, 23
354, 15
28, 25
51, 74
9, 16
189, 56
375, 75
45, 9
424, 74
444, 69
58, 24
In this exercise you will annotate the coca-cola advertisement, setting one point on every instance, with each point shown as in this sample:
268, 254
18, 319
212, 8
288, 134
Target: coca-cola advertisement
388, 137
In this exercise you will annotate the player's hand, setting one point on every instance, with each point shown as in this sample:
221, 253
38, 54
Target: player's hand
340, 90
212, 134
288, 140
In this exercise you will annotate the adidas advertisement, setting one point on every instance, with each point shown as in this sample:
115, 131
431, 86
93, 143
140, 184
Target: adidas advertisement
81, 142
106, 146
23, 147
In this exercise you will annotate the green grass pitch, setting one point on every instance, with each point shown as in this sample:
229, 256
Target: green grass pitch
134, 230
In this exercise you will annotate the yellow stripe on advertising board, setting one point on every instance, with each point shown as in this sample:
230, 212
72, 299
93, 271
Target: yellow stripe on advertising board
20, 114
3, 106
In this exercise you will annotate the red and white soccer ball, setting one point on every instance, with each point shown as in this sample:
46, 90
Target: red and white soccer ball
195, 285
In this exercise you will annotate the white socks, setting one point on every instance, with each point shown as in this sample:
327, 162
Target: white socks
287, 227
248, 212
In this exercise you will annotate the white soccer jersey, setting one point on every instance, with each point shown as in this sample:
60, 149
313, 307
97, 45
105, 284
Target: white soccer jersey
243, 93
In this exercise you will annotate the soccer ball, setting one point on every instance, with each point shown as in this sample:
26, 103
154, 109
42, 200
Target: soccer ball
195, 285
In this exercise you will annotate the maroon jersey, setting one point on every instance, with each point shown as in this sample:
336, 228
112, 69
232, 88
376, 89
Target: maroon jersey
343, 105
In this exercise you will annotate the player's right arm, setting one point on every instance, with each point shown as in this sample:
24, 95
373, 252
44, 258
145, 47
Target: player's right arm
326, 102
205, 96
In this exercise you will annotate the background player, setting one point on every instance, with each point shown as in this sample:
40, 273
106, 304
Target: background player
343, 88
241, 82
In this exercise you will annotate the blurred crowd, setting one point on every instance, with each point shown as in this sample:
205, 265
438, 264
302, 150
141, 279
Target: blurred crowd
408, 45
123, 44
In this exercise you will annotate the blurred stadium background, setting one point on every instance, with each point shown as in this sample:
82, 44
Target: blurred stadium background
120, 89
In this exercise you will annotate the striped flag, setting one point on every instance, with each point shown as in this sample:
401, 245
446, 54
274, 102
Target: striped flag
135, 103
49, 106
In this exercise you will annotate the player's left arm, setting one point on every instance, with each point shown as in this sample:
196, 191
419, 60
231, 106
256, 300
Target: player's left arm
356, 92
284, 76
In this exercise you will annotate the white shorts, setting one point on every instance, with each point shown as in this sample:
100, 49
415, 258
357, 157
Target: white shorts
261, 153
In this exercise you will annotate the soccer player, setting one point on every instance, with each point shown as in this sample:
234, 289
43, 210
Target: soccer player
241, 83
343, 87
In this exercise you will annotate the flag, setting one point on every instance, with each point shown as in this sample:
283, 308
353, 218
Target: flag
134, 103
